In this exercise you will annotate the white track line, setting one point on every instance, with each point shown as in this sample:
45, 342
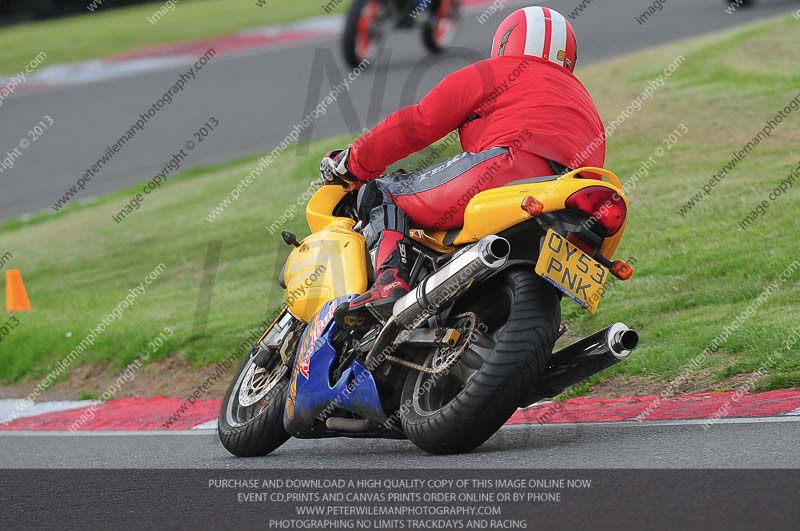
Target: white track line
553, 426
18, 408
103, 69
99, 433
209, 425
684, 422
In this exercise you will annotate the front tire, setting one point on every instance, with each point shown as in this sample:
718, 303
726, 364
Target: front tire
251, 418
459, 411
362, 34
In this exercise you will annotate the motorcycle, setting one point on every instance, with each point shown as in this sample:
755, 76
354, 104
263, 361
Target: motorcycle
446, 365
367, 22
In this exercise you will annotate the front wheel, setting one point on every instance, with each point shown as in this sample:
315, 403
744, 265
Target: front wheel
363, 31
440, 27
251, 417
518, 316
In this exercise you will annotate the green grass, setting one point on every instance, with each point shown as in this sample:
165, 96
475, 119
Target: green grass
695, 274
109, 32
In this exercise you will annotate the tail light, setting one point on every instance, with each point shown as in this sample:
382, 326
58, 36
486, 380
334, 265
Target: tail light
603, 204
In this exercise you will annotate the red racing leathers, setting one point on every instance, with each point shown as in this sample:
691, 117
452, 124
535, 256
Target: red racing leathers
515, 115
490, 103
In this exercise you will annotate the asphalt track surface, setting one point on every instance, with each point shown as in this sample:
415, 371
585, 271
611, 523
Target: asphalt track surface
729, 444
258, 96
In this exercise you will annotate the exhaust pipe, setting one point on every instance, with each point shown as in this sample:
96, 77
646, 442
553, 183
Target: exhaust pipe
588, 356
437, 290
440, 288
348, 425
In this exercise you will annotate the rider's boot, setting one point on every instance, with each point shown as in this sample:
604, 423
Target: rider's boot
391, 282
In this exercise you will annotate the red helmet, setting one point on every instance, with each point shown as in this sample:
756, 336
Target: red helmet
539, 32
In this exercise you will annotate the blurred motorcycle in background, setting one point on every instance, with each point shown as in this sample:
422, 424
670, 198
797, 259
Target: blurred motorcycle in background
368, 21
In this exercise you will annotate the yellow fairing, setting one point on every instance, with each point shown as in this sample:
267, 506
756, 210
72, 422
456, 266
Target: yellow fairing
497, 209
331, 263
328, 264
321, 205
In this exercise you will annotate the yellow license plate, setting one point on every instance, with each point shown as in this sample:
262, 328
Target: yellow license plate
571, 270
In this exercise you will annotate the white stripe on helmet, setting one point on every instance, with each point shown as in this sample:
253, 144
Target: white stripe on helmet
534, 35
558, 38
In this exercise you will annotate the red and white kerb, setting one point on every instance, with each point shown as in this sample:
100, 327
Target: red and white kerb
539, 32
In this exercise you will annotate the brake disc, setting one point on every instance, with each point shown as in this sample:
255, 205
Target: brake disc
258, 382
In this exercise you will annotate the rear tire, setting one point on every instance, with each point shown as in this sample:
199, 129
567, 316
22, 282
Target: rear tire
522, 344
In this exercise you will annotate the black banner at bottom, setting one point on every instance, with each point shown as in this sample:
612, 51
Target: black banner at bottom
400, 499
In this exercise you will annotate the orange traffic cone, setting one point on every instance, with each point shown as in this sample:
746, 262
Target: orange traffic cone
16, 297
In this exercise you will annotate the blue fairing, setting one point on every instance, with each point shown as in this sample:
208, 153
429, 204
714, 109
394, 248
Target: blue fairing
311, 395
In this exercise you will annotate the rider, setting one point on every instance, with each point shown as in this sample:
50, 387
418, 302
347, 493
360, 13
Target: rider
521, 113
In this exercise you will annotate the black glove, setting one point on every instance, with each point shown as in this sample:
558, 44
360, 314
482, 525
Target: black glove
333, 169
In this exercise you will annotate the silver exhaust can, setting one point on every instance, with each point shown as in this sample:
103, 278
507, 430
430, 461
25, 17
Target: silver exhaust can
441, 287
